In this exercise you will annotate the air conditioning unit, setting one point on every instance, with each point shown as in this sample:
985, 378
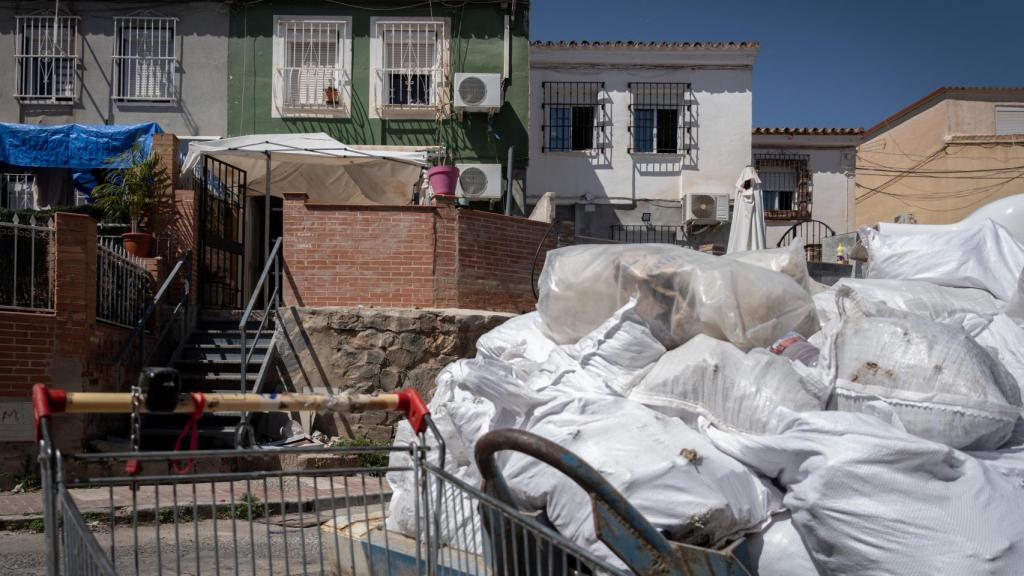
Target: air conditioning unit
477, 92
706, 208
479, 181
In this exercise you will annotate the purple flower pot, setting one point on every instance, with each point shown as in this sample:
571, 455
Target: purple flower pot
443, 179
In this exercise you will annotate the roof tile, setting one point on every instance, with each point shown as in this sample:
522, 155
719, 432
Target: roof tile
647, 45
788, 131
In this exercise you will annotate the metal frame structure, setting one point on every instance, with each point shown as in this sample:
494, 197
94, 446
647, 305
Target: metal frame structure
311, 64
802, 194
812, 232
222, 203
26, 265
580, 122
145, 58
414, 66
668, 103
123, 285
47, 49
17, 191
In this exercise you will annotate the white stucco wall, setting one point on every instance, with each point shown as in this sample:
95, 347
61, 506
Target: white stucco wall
721, 89
832, 163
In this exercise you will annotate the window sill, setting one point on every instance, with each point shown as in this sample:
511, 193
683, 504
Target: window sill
675, 154
409, 112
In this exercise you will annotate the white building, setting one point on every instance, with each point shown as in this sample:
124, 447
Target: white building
621, 132
807, 175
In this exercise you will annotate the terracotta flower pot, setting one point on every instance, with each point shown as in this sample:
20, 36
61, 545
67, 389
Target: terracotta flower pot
330, 96
443, 179
137, 243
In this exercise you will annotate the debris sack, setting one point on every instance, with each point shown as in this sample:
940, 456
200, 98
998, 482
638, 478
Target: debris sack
733, 389
779, 550
941, 383
790, 260
870, 499
680, 293
985, 256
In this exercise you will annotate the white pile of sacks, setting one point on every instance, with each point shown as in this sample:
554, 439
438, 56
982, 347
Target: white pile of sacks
899, 449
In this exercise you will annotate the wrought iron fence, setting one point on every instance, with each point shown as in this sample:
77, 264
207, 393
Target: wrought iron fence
26, 264
123, 285
643, 234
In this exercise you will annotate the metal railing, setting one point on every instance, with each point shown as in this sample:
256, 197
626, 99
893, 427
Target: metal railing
644, 234
26, 265
145, 58
812, 232
17, 191
271, 302
179, 315
46, 51
122, 284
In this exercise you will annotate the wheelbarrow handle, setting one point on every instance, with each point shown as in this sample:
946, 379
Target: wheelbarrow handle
619, 525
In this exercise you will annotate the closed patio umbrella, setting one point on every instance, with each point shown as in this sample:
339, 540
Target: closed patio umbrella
747, 228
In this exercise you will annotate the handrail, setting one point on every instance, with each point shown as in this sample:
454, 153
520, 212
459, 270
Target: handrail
139, 332
271, 302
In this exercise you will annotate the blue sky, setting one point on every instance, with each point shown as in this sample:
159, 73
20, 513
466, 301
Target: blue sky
822, 62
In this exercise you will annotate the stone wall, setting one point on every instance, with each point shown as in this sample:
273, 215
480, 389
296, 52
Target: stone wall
374, 350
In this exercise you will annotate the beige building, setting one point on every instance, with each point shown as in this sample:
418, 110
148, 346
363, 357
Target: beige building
942, 157
807, 179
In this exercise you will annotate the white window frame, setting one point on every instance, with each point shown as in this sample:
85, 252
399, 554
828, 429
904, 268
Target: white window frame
62, 52
441, 84
342, 72
165, 61
1000, 130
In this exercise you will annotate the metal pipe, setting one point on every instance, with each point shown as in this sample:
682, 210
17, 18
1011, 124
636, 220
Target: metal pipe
508, 186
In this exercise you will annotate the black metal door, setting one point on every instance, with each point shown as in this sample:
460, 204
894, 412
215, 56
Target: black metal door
221, 198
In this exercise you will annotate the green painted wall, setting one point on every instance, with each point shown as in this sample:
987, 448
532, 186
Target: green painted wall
477, 46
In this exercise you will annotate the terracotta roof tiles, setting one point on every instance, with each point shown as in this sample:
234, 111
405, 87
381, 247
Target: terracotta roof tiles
809, 131
647, 45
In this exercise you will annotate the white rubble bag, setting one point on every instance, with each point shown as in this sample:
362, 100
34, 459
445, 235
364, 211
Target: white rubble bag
986, 256
870, 499
680, 293
669, 472
941, 383
971, 308
1004, 339
779, 551
518, 341
733, 389
790, 260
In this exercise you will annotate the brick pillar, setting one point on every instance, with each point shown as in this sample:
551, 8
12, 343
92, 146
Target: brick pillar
75, 311
446, 232
295, 246
164, 216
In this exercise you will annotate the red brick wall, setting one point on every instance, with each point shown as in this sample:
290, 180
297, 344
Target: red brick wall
495, 255
355, 255
409, 256
26, 350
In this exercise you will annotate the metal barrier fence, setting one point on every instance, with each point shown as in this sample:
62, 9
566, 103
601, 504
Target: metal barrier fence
123, 285
645, 234
26, 264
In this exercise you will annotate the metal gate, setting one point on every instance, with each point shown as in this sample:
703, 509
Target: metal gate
221, 197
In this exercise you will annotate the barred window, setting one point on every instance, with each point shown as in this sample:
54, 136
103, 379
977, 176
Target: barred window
18, 191
145, 58
311, 63
785, 185
413, 63
660, 117
46, 52
572, 112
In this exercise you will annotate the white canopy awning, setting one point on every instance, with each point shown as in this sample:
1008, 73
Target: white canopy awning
328, 171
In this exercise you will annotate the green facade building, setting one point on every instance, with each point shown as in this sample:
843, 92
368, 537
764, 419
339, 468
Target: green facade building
384, 73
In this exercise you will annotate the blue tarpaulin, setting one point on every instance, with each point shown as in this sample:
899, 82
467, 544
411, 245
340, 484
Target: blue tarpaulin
73, 146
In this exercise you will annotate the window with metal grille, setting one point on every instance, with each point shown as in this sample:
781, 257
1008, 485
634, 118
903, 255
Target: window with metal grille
311, 62
660, 117
46, 52
413, 63
785, 185
145, 58
18, 191
572, 112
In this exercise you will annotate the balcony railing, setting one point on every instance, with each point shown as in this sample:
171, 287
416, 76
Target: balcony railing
26, 264
123, 285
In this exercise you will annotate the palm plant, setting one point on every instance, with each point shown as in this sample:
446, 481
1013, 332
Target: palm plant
129, 190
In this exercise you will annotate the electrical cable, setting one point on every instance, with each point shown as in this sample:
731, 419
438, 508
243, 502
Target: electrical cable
536, 255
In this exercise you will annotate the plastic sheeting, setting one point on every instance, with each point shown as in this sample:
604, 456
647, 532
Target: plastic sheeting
319, 166
941, 383
790, 260
986, 257
680, 293
72, 146
735, 390
870, 499
779, 550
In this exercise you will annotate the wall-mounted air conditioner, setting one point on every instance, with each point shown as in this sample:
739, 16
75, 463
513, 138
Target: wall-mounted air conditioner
479, 181
706, 208
477, 92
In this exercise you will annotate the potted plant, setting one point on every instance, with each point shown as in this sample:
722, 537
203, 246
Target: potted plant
128, 193
331, 95
443, 177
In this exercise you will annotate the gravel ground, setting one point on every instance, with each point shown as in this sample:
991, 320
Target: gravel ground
24, 553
